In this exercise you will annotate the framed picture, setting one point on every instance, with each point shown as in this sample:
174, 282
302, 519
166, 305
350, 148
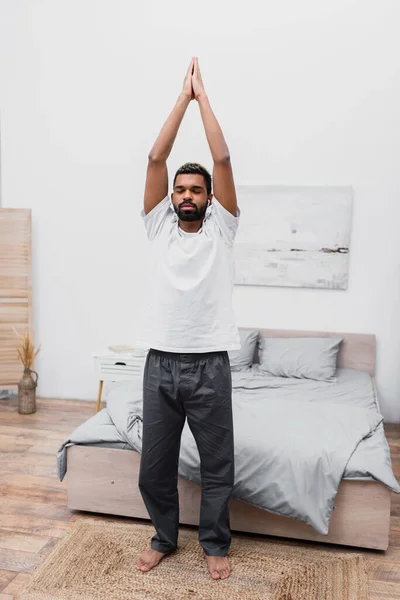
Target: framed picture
296, 236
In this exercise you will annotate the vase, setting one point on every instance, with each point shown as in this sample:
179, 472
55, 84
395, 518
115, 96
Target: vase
27, 392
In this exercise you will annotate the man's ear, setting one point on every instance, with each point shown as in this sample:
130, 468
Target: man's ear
209, 199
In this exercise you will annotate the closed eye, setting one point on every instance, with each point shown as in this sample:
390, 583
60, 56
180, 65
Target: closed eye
194, 188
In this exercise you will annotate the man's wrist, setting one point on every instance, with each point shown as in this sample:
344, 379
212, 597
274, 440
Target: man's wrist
202, 98
184, 98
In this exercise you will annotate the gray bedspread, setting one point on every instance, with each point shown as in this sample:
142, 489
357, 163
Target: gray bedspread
295, 439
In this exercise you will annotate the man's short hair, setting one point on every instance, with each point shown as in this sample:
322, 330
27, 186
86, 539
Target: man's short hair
195, 168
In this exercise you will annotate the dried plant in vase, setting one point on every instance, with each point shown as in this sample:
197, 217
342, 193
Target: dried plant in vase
27, 385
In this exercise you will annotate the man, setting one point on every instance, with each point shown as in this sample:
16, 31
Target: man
189, 327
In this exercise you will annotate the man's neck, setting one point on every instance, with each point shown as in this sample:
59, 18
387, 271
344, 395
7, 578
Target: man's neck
191, 226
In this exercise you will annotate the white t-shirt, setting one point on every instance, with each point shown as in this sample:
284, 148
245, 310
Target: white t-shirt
188, 301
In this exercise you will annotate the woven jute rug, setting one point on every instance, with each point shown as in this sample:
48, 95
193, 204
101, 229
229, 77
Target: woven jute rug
96, 561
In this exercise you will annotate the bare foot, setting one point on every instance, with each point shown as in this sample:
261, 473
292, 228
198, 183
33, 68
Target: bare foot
149, 559
218, 566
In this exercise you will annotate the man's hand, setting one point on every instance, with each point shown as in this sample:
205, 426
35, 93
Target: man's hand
197, 82
187, 82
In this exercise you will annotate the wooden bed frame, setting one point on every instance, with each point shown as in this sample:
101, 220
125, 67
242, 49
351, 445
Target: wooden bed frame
104, 480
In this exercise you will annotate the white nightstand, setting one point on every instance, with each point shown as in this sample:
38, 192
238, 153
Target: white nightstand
113, 366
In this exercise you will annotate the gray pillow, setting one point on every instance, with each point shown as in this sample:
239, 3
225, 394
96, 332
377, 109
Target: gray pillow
242, 359
308, 358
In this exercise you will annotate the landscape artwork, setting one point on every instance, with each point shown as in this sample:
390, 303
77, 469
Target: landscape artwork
296, 236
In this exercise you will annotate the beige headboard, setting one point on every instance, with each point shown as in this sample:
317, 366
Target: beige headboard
357, 350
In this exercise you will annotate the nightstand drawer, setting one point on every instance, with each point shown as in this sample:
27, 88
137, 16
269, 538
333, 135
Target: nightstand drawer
119, 367
130, 370
132, 363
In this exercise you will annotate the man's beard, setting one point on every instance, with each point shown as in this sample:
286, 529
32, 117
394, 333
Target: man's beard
191, 215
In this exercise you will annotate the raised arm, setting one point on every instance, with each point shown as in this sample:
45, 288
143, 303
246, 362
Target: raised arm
156, 187
223, 183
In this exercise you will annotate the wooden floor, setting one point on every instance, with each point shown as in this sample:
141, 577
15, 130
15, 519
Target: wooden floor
33, 513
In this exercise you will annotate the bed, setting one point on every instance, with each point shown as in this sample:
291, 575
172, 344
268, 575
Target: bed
355, 476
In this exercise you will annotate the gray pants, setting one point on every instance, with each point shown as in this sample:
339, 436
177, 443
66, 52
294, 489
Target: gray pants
197, 386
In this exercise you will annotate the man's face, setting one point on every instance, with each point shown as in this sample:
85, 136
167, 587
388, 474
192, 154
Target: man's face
189, 197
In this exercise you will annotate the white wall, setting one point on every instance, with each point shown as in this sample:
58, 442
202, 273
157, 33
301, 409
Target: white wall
305, 92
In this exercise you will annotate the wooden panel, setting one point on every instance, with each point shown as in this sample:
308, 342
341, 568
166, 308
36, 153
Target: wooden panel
98, 482
15, 252
104, 480
15, 289
357, 351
